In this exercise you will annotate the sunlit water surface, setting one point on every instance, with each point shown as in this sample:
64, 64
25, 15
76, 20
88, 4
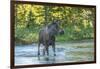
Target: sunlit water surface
65, 52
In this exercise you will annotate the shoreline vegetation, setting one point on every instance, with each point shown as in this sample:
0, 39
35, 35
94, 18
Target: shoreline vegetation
20, 43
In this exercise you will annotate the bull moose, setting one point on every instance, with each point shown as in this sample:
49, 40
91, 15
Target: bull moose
47, 36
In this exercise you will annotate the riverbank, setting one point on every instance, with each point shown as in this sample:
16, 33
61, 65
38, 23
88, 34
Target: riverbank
18, 43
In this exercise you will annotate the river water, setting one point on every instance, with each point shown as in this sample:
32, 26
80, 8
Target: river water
65, 52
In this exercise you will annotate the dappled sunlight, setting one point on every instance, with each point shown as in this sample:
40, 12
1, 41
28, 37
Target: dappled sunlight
76, 21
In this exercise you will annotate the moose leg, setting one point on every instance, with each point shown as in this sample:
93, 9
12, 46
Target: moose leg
38, 49
44, 51
53, 46
47, 50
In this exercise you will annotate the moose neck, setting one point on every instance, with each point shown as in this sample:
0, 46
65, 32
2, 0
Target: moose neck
52, 31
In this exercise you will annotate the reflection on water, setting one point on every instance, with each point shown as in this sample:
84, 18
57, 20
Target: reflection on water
66, 52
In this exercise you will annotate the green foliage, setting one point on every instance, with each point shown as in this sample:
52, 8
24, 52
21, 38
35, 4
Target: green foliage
78, 22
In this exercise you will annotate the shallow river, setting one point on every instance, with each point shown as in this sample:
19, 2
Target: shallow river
65, 52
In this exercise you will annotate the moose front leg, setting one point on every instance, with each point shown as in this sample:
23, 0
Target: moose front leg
53, 46
39, 51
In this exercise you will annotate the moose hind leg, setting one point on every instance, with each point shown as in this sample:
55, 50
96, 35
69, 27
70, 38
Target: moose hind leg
47, 51
44, 51
53, 46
